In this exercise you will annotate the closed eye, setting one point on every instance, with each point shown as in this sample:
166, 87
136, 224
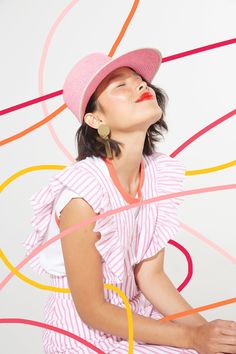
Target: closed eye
137, 76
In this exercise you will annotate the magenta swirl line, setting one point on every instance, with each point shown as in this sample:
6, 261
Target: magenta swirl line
31, 102
202, 131
199, 50
169, 58
52, 328
190, 264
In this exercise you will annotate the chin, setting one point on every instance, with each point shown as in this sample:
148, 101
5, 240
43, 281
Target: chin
156, 114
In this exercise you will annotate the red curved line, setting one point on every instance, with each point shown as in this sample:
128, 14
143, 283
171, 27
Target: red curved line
31, 102
52, 328
199, 50
177, 245
171, 57
190, 264
202, 131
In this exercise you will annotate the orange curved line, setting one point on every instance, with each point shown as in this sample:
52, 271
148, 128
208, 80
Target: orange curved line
199, 309
35, 126
61, 108
124, 28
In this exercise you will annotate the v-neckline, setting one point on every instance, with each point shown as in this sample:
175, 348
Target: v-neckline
127, 196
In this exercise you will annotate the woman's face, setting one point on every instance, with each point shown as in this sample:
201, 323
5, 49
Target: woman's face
117, 94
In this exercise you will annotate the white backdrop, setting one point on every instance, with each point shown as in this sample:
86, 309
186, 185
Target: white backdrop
40, 41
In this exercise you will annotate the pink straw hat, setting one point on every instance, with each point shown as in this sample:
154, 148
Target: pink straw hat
88, 72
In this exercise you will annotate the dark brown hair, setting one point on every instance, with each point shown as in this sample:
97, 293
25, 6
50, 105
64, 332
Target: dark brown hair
86, 136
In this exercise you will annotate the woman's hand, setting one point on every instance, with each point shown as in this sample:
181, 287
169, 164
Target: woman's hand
215, 337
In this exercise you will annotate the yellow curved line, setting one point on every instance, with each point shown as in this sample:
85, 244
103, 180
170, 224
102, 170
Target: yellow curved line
67, 290
129, 315
29, 169
61, 167
28, 280
211, 169
108, 286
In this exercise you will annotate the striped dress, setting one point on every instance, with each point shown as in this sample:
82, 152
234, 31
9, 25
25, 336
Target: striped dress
127, 238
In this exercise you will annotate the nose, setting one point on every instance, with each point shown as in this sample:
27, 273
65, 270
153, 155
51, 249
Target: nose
142, 86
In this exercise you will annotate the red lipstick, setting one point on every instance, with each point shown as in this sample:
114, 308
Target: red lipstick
145, 96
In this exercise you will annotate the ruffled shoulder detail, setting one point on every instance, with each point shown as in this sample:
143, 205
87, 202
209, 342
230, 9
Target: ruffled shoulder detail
170, 176
87, 181
78, 178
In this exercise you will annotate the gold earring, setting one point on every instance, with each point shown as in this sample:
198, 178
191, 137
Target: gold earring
104, 131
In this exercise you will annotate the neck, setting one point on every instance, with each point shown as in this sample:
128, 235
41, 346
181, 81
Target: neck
127, 165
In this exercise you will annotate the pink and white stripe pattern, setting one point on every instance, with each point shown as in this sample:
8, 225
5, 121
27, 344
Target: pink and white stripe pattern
126, 239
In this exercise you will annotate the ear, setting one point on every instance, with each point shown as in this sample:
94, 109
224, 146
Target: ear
91, 120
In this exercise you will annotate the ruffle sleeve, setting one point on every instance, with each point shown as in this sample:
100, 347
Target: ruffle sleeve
80, 182
170, 176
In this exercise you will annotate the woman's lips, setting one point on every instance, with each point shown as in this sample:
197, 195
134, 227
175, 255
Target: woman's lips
145, 96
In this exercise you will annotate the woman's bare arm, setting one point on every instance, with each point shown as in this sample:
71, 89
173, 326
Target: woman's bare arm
167, 299
83, 266
113, 319
161, 292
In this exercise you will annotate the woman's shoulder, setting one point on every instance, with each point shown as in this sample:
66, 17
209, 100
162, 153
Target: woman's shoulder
82, 179
169, 174
166, 164
159, 156
88, 166
72, 176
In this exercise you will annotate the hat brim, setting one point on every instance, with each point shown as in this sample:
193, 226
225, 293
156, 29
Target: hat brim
145, 61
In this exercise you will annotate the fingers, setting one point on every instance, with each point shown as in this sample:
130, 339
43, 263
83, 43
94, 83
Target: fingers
225, 323
228, 331
227, 340
229, 349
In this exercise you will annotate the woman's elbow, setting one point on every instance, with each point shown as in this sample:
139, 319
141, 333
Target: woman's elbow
91, 315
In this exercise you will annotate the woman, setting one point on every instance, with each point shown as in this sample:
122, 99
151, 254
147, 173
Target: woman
121, 115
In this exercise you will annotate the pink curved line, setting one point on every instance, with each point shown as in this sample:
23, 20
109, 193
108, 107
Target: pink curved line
52, 328
40, 75
171, 57
111, 212
203, 131
208, 242
190, 264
